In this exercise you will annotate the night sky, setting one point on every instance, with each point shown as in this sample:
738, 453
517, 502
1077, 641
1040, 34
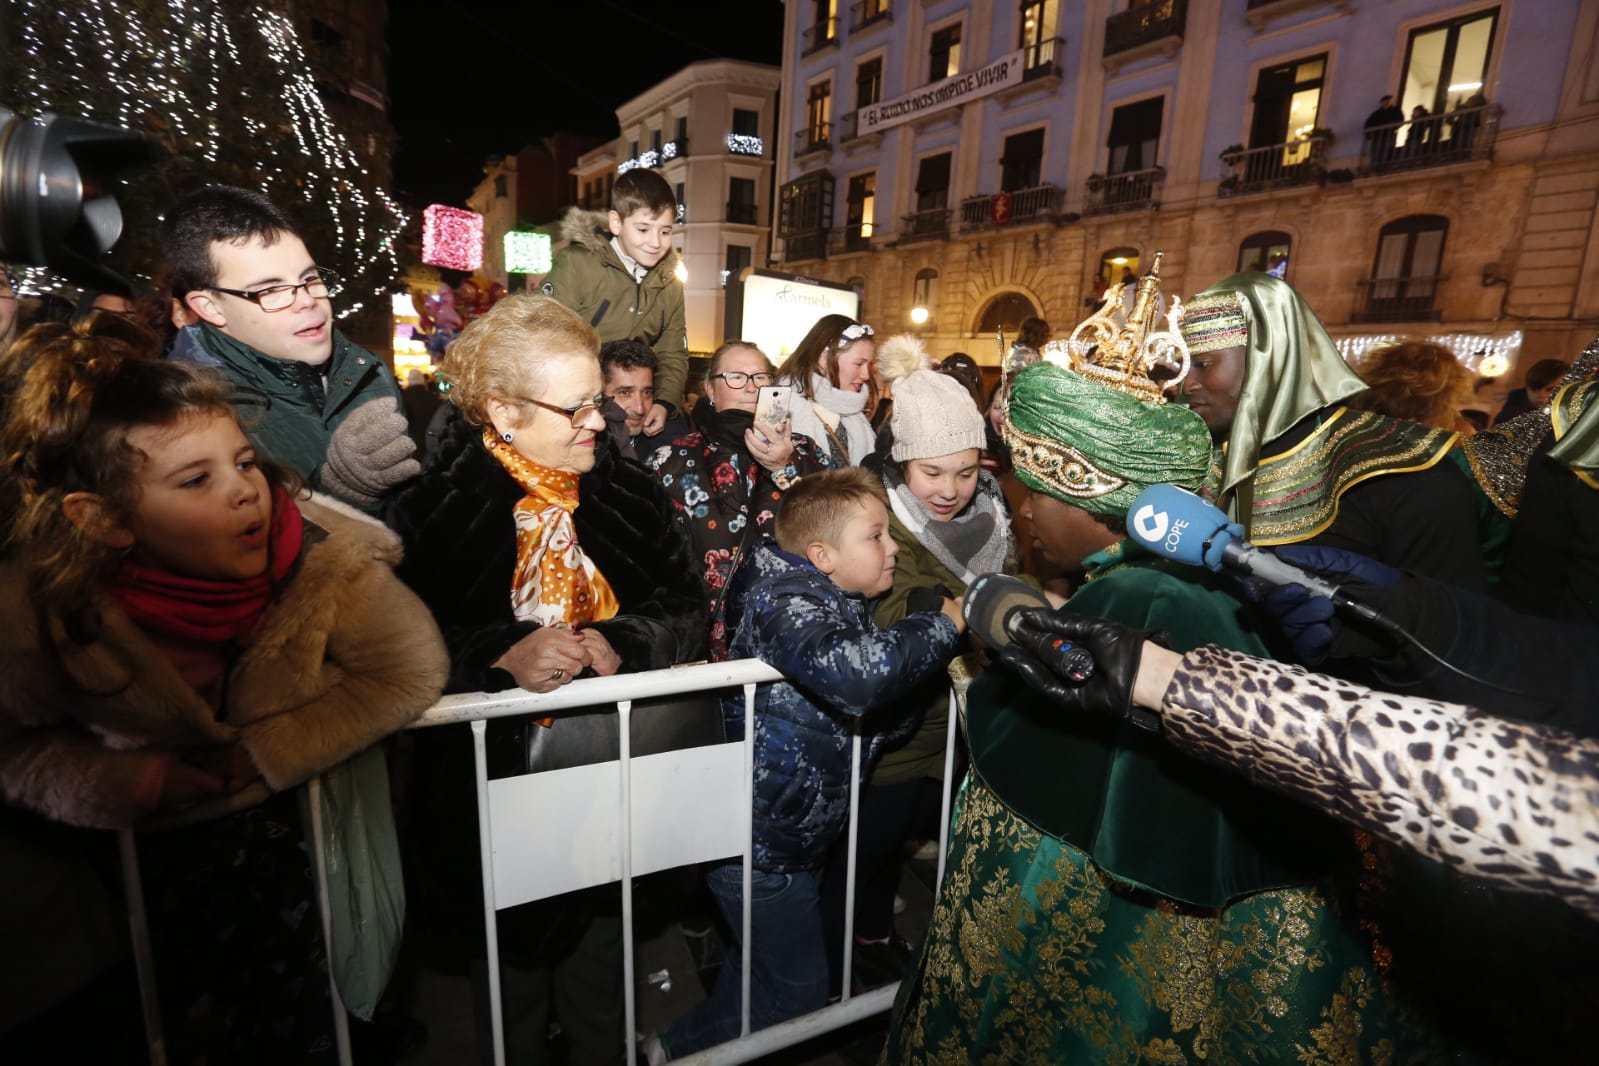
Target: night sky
478, 79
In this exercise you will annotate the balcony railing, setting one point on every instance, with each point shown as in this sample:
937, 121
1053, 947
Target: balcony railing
811, 245
857, 238
819, 36
1457, 136
1275, 166
1398, 299
741, 213
1011, 208
863, 13
1134, 190
814, 138
930, 225
1144, 23
1042, 60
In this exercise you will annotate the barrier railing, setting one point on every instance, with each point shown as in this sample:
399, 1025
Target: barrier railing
672, 809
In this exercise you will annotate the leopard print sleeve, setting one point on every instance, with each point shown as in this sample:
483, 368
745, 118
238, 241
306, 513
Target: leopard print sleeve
1505, 801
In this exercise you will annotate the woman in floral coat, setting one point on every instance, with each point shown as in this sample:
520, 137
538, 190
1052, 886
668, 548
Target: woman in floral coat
726, 479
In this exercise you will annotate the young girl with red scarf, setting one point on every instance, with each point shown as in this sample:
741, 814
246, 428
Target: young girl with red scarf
185, 643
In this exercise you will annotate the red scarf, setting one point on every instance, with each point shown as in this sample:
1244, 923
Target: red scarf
206, 611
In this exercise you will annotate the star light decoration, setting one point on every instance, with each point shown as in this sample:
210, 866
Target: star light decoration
527, 252
452, 238
175, 67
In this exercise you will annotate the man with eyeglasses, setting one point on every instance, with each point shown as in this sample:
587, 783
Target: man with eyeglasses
312, 400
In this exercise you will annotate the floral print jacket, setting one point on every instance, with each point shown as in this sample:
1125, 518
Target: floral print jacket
718, 490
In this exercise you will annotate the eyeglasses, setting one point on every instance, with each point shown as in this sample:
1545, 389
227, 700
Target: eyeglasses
578, 413
736, 379
282, 297
854, 333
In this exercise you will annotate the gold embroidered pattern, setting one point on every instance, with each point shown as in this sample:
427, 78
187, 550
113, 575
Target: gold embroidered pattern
1297, 492
1059, 465
1034, 956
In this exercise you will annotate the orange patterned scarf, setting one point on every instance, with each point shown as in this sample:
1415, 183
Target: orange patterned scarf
554, 583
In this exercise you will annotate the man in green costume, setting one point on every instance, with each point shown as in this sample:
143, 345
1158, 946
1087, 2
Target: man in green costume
1102, 901
1294, 463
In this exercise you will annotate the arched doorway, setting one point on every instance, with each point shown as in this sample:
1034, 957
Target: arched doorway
1005, 312
1117, 263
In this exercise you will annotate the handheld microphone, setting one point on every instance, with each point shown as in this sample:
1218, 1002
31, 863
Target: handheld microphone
1177, 524
991, 609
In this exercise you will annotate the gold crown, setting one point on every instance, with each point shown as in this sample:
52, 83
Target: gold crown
1120, 349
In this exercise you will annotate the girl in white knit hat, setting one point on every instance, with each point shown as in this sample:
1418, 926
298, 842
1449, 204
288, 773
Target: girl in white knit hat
949, 518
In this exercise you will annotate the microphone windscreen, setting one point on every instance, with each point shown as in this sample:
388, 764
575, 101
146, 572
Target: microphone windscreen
991, 600
1174, 523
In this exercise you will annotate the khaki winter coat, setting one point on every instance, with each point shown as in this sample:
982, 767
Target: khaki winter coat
589, 278
346, 656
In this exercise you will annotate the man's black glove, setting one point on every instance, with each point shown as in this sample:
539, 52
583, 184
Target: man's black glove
927, 599
1116, 650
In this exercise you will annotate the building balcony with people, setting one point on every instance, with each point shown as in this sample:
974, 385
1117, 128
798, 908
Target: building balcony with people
1020, 151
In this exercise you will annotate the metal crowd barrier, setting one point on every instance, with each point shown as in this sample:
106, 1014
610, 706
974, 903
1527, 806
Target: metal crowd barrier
671, 809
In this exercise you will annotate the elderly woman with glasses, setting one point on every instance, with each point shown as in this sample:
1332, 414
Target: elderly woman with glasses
544, 557
831, 372
727, 478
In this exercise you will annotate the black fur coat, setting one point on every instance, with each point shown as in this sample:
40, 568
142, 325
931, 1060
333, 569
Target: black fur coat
459, 530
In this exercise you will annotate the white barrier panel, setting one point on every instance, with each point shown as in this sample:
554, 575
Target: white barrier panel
552, 832
679, 805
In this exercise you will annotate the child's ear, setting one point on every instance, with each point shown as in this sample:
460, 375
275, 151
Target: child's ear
821, 556
87, 512
615, 222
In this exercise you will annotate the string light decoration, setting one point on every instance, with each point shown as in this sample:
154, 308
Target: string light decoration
527, 252
452, 238
1487, 355
745, 144
228, 91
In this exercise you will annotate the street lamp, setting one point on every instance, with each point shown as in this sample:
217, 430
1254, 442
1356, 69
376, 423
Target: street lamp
919, 316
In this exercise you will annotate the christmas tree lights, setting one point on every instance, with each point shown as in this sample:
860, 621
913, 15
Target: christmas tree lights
227, 89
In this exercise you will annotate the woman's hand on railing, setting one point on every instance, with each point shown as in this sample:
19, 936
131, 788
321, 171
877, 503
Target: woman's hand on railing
601, 655
546, 658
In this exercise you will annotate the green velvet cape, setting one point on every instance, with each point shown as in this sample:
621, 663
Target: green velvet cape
1037, 953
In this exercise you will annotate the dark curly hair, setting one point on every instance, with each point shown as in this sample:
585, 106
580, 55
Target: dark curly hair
79, 390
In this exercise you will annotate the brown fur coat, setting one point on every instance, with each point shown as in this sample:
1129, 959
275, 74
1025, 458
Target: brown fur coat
346, 656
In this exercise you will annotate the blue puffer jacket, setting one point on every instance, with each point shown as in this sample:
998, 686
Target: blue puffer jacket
840, 666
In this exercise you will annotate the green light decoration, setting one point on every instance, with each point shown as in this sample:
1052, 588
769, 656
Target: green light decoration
527, 252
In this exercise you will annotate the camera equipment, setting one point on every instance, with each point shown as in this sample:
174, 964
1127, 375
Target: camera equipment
57, 207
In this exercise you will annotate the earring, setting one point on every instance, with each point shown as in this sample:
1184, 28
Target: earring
507, 437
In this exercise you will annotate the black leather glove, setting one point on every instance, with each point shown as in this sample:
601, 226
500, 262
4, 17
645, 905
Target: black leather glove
1116, 650
927, 599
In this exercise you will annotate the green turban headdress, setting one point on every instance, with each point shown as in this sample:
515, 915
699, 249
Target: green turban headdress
1096, 448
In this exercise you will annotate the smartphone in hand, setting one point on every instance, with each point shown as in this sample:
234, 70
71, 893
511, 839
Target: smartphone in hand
771, 404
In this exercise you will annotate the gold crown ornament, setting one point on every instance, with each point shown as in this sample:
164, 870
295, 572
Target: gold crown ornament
1121, 349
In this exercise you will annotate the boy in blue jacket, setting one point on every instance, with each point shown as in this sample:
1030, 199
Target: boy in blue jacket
808, 613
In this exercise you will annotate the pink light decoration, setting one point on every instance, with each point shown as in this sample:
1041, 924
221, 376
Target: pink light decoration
452, 238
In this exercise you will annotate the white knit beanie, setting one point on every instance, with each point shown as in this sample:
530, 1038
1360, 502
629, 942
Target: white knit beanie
933, 414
